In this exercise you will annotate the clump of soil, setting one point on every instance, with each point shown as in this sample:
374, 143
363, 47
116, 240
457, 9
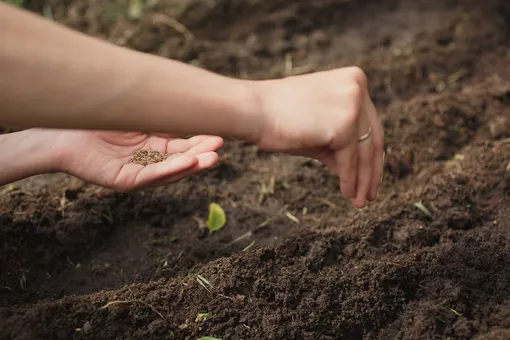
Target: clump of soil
438, 73
146, 157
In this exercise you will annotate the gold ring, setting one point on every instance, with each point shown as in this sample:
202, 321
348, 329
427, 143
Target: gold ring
366, 135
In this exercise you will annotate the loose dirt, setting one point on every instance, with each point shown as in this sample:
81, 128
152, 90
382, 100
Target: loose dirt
81, 262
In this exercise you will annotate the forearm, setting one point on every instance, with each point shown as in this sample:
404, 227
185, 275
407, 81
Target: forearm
55, 77
24, 154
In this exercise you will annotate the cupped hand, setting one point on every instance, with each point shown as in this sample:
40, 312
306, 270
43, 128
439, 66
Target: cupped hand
103, 157
327, 116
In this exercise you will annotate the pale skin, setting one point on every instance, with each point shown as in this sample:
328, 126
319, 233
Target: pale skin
76, 94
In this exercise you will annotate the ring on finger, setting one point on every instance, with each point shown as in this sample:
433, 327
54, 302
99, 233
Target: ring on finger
366, 135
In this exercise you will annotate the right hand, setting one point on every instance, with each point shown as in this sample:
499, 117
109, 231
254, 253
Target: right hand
322, 116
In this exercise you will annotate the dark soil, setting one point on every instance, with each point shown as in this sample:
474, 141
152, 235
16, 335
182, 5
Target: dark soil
81, 262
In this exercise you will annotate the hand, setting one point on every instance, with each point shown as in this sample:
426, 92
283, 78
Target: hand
322, 116
102, 158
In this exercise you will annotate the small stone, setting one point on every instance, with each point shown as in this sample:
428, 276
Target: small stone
438, 120
300, 42
155, 325
87, 327
499, 126
239, 297
252, 43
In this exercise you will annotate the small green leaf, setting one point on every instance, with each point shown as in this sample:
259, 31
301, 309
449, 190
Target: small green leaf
249, 246
18, 3
208, 338
135, 9
201, 317
47, 11
217, 218
423, 209
265, 223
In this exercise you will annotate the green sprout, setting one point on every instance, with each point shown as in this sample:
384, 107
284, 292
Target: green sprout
201, 317
216, 219
135, 9
292, 217
130, 9
204, 282
18, 3
423, 208
249, 246
265, 223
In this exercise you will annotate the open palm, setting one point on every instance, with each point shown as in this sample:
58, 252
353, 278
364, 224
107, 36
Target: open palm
103, 157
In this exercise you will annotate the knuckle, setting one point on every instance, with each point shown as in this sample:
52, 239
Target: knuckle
378, 144
353, 94
358, 75
354, 91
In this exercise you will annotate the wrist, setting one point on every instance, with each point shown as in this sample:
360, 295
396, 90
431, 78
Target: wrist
250, 119
186, 100
27, 153
39, 147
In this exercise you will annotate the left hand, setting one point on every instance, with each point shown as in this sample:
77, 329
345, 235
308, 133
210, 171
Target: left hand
102, 157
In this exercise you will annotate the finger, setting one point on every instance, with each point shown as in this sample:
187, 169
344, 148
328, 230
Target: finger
134, 176
365, 151
378, 145
347, 165
212, 143
184, 145
377, 173
205, 161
